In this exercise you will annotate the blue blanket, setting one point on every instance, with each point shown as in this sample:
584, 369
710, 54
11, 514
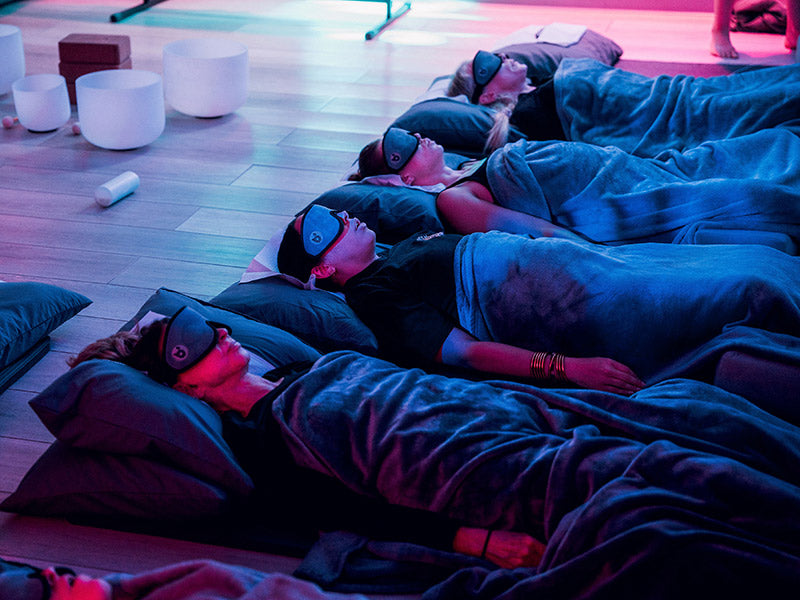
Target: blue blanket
616, 486
606, 106
746, 189
664, 310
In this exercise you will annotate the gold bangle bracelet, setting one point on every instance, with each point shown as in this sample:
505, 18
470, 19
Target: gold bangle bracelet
537, 366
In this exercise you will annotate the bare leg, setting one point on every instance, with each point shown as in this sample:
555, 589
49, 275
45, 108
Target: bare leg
792, 23
720, 30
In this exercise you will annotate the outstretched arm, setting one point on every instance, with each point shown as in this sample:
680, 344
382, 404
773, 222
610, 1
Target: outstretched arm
469, 208
461, 349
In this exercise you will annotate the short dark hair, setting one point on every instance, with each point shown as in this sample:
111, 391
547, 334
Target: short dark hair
371, 162
146, 354
293, 259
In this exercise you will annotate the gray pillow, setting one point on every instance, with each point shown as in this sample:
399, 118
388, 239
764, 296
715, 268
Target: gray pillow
29, 311
319, 318
106, 406
72, 482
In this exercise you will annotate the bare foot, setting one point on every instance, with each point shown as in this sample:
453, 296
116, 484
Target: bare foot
721, 45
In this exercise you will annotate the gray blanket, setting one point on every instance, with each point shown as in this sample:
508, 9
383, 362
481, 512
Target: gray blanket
748, 186
618, 487
645, 116
664, 310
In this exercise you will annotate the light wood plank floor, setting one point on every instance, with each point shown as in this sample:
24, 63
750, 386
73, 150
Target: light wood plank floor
212, 190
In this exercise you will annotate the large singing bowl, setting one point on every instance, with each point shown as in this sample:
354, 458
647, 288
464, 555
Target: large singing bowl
206, 77
120, 109
12, 57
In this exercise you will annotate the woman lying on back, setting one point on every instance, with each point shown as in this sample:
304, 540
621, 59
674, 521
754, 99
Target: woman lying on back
587, 101
728, 191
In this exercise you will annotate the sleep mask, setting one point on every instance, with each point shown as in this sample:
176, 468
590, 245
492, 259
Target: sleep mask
485, 66
398, 147
188, 338
320, 229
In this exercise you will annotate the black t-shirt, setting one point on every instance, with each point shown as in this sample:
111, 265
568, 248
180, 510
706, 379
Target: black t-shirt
408, 297
536, 116
310, 502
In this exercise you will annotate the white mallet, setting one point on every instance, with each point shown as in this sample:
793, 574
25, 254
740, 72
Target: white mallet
116, 189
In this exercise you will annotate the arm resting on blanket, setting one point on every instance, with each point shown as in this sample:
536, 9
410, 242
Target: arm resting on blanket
461, 349
469, 208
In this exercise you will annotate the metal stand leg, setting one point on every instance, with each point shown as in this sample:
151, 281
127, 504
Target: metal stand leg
390, 18
116, 17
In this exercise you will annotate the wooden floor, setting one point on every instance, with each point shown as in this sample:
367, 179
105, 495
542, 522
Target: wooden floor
212, 190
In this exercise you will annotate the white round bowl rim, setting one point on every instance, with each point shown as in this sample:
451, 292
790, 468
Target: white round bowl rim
205, 48
6, 29
39, 82
118, 79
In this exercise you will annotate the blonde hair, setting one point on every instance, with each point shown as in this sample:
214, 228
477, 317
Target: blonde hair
463, 83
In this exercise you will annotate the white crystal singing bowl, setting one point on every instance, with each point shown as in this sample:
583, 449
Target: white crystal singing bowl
120, 109
41, 101
206, 77
12, 57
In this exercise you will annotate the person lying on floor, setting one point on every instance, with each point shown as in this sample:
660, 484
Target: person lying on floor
607, 318
200, 359
586, 471
730, 191
190, 580
587, 101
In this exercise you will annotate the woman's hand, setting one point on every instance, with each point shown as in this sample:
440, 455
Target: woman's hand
506, 549
602, 374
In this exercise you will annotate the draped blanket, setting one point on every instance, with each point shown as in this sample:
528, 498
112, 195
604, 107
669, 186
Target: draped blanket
740, 186
641, 115
619, 488
664, 310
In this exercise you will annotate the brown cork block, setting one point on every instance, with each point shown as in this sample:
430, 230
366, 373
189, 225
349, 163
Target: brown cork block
71, 71
94, 48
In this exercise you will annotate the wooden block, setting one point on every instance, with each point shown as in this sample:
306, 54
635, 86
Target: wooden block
71, 70
94, 48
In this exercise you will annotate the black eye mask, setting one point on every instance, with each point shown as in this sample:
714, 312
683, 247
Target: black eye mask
320, 229
188, 338
485, 66
398, 148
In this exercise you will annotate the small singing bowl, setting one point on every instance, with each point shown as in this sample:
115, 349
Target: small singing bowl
41, 102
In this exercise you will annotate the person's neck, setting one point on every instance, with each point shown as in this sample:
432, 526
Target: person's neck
243, 393
450, 176
343, 275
